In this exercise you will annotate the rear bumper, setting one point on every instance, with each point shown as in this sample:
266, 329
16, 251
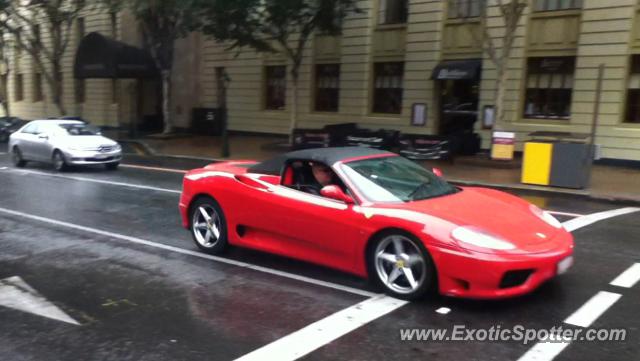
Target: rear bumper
485, 276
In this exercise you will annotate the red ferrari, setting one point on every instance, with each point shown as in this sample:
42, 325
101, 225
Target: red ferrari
378, 215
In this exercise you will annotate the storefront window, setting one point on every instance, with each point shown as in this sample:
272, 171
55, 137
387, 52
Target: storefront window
465, 8
327, 92
550, 5
549, 87
276, 87
393, 11
387, 87
633, 93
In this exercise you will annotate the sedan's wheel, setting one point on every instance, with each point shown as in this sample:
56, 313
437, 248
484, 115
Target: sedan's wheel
4, 137
208, 225
400, 264
16, 157
59, 163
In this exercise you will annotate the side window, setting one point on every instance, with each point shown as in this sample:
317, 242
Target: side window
31, 128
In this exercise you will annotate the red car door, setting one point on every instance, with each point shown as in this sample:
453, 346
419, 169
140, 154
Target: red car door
301, 225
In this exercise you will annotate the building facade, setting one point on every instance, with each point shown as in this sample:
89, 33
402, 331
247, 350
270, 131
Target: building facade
393, 58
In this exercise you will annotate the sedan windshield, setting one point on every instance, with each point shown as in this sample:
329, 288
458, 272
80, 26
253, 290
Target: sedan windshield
395, 179
79, 129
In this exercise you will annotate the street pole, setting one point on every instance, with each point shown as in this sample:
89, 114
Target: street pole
223, 84
596, 109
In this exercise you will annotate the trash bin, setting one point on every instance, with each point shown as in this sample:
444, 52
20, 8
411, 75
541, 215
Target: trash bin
557, 159
206, 121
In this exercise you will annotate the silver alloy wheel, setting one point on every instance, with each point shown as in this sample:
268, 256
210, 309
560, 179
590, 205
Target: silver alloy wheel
400, 264
17, 156
58, 160
206, 225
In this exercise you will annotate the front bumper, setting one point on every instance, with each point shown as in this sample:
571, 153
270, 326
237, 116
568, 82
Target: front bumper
92, 157
493, 276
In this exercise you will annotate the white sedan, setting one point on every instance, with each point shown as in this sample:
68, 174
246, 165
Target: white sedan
63, 143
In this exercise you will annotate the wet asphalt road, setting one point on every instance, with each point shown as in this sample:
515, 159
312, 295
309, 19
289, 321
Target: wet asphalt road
135, 302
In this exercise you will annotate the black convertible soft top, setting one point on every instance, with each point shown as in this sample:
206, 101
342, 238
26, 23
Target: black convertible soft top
327, 156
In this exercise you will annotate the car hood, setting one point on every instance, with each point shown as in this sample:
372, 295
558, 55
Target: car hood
495, 212
86, 141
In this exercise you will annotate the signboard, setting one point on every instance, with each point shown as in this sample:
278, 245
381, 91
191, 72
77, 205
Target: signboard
419, 114
488, 117
502, 145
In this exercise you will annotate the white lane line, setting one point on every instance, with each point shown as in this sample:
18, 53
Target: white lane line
84, 179
583, 221
192, 253
568, 214
628, 278
593, 308
443, 310
320, 333
160, 169
544, 351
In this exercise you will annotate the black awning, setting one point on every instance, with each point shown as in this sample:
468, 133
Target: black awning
101, 57
458, 70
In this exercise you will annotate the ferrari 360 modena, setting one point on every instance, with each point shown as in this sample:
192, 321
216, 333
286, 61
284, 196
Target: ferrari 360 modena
380, 216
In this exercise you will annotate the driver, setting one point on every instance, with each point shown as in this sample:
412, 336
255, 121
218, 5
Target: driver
322, 174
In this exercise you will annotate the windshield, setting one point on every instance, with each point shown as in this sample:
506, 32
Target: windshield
395, 179
80, 129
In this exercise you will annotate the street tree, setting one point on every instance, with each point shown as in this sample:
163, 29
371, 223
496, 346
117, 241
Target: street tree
275, 26
26, 21
162, 22
5, 70
497, 45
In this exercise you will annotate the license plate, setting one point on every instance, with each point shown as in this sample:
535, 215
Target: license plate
564, 265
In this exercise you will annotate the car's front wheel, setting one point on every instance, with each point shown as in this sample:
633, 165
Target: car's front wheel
208, 225
399, 264
16, 157
59, 162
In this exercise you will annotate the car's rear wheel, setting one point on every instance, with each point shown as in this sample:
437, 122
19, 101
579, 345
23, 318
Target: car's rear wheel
59, 162
16, 157
112, 166
399, 264
208, 225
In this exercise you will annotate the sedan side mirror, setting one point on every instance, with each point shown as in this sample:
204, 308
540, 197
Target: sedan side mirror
335, 192
437, 171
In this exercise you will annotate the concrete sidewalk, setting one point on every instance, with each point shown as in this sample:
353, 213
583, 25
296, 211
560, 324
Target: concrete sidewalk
607, 182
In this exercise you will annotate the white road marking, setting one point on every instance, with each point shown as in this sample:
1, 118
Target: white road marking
544, 351
99, 181
160, 169
320, 333
443, 310
192, 253
17, 294
583, 221
628, 278
592, 309
568, 214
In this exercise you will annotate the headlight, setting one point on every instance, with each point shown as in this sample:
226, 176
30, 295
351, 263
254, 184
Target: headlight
479, 238
118, 147
545, 216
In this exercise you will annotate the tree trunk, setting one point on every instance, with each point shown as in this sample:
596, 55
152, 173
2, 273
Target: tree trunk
5, 94
56, 89
501, 84
166, 94
294, 104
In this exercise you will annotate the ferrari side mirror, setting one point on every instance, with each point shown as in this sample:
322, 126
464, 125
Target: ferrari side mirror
335, 192
437, 171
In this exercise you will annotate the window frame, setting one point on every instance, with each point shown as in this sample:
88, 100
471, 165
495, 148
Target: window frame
403, 12
269, 98
468, 9
377, 92
535, 68
318, 91
573, 5
633, 93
